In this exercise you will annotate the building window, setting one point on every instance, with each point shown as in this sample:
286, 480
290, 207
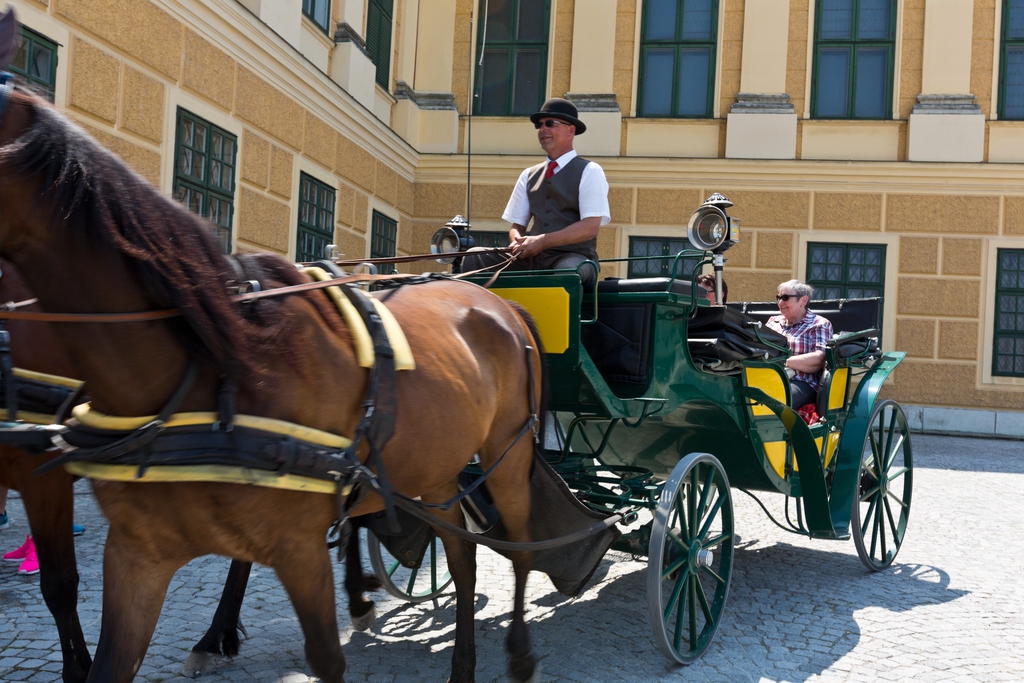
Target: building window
384, 235
846, 271
1011, 62
489, 238
319, 11
316, 219
204, 172
378, 38
660, 267
677, 58
35, 60
1008, 356
513, 39
854, 48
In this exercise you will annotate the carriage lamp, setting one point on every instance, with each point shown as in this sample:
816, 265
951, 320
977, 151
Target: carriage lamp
453, 237
711, 229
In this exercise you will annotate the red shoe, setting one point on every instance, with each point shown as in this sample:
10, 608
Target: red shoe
19, 554
30, 565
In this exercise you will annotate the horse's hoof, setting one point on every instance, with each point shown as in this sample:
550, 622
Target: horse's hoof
363, 622
535, 677
199, 663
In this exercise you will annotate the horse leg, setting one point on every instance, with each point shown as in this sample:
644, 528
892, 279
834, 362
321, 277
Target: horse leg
49, 504
135, 581
461, 557
226, 630
306, 575
361, 609
509, 487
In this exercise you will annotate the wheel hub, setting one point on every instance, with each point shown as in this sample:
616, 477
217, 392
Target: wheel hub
699, 557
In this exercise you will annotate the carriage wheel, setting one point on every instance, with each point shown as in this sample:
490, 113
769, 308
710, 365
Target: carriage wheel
882, 504
690, 559
424, 583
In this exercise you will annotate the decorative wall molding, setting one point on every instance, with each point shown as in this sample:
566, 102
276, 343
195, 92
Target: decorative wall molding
435, 101
593, 101
946, 104
762, 103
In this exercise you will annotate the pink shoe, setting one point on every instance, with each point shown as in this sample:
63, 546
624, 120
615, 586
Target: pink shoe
30, 565
19, 554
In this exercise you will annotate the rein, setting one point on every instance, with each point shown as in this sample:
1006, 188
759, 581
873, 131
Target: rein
144, 316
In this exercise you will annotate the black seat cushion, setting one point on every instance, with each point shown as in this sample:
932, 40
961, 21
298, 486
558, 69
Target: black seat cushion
647, 284
846, 315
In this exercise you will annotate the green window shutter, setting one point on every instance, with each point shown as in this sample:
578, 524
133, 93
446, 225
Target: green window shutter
316, 218
35, 61
846, 271
204, 172
1008, 340
678, 46
644, 250
513, 41
378, 38
854, 57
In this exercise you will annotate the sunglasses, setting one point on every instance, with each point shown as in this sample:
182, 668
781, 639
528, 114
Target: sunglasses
786, 297
550, 123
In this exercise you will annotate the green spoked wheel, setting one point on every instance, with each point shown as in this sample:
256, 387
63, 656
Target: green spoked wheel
882, 505
424, 583
690, 559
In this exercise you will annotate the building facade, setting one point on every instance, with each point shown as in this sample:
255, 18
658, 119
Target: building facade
870, 146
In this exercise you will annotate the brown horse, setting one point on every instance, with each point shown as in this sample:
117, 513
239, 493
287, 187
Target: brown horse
91, 236
48, 504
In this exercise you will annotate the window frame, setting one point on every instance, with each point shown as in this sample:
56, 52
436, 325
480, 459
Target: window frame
313, 228
311, 14
1005, 42
679, 44
377, 220
34, 37
378, 43
204, 187
683, 272
854, 43
490, 238
1000, 291
511, 45
846, 283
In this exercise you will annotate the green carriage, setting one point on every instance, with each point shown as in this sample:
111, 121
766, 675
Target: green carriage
665, 403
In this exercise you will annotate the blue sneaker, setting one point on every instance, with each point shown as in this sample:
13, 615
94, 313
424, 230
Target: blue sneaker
77, 529
4, 522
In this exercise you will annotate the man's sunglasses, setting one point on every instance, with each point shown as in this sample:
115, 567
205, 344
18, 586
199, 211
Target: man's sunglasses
550, 123
786, 297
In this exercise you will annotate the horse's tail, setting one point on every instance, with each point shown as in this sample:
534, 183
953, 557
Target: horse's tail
545, 390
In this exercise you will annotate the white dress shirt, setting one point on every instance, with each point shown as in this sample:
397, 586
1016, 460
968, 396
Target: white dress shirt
593, 194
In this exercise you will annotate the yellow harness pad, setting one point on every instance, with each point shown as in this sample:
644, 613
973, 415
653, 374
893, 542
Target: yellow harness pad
360, 335
209, 473
97, 420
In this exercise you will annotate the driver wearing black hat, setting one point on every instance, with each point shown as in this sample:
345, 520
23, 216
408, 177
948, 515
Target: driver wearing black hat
566, 196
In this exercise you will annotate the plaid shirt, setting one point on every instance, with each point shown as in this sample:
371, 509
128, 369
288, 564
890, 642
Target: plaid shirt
809, 334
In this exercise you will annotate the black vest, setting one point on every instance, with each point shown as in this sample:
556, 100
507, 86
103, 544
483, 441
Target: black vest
555, 203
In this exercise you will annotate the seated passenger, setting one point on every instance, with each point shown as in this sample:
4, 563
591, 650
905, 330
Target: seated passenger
807, 333
707, 283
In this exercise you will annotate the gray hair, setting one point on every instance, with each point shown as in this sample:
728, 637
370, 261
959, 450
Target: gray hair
797, 287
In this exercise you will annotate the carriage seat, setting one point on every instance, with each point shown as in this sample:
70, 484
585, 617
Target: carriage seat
614, 285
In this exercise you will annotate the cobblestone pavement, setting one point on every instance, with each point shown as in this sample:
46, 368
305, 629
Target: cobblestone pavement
951, 608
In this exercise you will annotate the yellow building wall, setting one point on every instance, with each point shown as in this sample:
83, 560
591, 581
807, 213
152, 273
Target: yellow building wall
126, 66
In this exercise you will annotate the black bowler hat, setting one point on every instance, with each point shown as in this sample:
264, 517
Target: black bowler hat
558, 108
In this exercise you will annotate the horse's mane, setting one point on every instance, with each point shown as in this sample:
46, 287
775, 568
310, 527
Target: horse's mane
91, 192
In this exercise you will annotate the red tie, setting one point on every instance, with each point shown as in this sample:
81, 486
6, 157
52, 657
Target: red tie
552, 165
